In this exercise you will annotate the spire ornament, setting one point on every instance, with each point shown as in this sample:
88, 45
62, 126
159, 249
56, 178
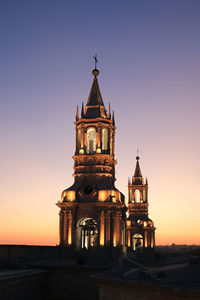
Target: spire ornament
95, 72
77, 114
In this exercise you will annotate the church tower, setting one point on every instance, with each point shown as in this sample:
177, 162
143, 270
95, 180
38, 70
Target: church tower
140, 229
92, 210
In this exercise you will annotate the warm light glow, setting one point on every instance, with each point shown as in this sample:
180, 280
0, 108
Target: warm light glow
81, 151
71, 195
145, 224
113, 195
128, 223
98, 150
102, 195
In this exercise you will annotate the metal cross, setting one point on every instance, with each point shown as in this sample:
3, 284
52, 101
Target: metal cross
95, 61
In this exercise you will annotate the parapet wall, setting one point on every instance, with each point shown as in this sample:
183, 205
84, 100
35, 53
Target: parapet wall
17, 255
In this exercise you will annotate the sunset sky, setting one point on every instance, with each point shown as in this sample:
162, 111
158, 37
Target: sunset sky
149, 62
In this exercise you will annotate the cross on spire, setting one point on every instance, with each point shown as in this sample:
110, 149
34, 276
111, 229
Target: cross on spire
95, 61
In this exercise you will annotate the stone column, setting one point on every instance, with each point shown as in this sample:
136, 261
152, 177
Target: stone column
85, 140
129, 238
152, 239
65, 228
145, 239
69, 240
108, 229
61, 227
116, 229
102, 229
99, 138
82, 137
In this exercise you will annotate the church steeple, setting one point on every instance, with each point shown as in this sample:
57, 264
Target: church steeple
93, 209
140, 229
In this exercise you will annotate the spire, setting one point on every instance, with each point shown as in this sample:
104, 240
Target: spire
113, 118
82, 110
138, 172
109, 112
95, 97
77, 114
137, 178
95, 107
146, 181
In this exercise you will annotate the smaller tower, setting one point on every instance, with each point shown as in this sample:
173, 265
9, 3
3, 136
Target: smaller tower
140, 229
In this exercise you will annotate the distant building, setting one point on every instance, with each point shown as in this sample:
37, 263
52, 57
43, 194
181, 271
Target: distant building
92, 210
140, 229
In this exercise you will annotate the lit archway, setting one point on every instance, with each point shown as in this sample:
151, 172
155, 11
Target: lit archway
88, 233
137, 242
137, 196
91, 140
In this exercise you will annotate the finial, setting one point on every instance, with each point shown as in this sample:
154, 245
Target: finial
95, 72
109, 112
77, 114
113, 118
82, 110
137, 157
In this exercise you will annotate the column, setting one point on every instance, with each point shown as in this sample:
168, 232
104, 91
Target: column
65, 228
61, 227
98, 137
102, 229
69, 241
129, 238
152, 239
108, 229
116, 229
85, 140
145, 239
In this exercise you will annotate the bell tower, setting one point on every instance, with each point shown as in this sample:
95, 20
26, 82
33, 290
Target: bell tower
92, 210
140, 229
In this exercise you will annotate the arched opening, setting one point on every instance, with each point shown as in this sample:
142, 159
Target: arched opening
79, 140
104, 139
137, 196
91, 140
88, 233
137, 242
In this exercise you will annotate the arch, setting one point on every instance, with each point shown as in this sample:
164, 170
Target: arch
86, 233
91, 140
137, 242
104, 139
137, 196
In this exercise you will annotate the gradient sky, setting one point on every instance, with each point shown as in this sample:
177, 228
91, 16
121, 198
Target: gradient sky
149, 62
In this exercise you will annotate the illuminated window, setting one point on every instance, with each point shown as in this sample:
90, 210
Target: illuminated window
104, 139
91, 140
79, 140
137, 196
